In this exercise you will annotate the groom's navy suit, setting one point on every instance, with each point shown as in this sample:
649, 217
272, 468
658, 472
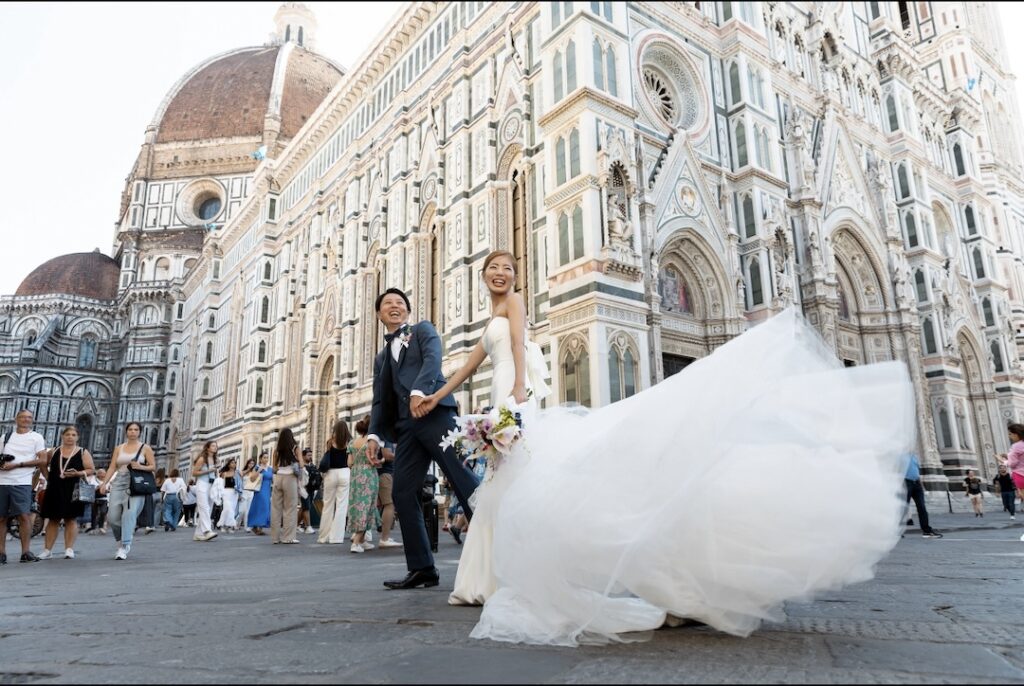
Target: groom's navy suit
418, 368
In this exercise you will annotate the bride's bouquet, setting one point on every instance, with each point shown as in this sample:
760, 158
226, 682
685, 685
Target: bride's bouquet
490, 435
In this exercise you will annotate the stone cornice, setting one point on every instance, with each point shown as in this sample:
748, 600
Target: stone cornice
569, 191
582, 99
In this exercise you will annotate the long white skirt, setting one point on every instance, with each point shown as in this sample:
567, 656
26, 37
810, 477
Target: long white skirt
761, 474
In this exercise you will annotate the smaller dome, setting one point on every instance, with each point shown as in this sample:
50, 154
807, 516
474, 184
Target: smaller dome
83, 274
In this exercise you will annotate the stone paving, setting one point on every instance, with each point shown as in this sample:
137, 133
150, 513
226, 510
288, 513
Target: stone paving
241, 610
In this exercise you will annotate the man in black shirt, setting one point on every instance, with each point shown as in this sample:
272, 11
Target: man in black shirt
1007, 490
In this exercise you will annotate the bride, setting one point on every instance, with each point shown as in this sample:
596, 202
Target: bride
518, 375
764, 473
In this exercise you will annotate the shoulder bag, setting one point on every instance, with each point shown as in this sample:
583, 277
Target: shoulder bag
139, 482
251, 484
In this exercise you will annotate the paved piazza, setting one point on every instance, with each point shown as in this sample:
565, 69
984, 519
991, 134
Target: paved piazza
240, 610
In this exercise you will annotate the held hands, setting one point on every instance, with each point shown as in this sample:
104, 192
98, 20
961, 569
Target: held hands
421, 407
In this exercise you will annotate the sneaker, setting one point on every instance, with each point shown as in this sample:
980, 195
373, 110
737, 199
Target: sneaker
29, 557
389, 543
368, 538
150, 529
1013, 517
932, 534
209, 536
310, 530
367, 545
122, 554
45, 555
69, 554
356, 548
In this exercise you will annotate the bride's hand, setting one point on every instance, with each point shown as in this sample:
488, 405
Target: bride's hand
519, 393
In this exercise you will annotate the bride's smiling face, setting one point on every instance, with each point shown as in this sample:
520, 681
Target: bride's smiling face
500, 275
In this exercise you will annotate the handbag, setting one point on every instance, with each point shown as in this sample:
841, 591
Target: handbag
79, 494
141, 483
253, 484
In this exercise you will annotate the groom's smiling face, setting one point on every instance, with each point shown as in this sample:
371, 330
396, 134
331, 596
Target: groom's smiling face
393, 312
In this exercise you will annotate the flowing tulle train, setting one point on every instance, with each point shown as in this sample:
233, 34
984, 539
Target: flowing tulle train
763, 473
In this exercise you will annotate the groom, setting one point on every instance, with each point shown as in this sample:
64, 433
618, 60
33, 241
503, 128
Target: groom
405, 372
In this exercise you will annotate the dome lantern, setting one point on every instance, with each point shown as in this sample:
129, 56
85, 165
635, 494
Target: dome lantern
295, 23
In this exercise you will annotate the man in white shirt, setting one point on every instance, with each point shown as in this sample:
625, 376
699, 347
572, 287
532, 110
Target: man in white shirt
23, 450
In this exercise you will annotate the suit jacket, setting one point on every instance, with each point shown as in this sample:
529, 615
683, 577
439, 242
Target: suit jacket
418, 369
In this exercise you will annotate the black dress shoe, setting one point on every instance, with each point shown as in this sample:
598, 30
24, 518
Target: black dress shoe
419, 577
456, 533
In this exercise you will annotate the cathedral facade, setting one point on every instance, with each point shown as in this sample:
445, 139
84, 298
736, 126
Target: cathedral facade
666, 174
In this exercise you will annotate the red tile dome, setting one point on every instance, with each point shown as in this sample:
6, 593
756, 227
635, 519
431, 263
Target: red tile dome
83, 274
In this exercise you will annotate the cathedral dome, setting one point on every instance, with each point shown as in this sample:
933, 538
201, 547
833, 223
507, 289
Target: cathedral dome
232, 94
83, 274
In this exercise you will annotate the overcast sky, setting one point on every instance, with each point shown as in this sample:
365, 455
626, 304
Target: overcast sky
80, 82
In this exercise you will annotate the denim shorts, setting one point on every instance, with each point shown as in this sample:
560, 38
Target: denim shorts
15, 500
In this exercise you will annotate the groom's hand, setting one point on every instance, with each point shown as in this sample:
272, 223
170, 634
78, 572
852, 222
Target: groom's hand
371, 450
426, 406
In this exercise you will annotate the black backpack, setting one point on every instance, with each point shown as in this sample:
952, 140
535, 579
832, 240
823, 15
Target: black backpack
316, 479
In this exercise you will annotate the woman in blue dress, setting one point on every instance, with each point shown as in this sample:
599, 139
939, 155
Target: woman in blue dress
259, 511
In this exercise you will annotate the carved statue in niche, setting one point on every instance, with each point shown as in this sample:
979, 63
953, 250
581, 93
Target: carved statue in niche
725, 205
620, 228
741, 291
782, 252
799, 136
901, 281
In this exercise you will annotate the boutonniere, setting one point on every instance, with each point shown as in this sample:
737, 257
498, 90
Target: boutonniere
404, 335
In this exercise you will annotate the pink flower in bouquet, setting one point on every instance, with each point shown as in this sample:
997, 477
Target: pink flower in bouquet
504, 438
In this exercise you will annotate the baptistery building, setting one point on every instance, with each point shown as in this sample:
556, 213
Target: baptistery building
667, 174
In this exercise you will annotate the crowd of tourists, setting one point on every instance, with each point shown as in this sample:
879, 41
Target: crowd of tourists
347, 494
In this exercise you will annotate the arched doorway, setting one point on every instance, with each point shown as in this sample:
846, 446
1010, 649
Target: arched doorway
970, 415
84, 425
690, 282
862, 295
326, 407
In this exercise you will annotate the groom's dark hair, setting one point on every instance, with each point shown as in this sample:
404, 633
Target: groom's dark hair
396, 291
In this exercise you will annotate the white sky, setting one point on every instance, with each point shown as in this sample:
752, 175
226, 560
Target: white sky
80, 82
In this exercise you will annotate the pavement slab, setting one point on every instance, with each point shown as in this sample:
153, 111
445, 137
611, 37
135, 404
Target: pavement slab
939, 611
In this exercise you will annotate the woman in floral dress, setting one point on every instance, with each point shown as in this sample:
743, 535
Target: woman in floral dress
362, 500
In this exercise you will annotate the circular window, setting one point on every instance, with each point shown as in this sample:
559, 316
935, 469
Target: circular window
672, 90
209, 208
660, 93
200, 202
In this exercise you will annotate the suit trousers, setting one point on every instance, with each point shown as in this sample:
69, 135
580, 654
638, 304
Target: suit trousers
417, 447
284, 507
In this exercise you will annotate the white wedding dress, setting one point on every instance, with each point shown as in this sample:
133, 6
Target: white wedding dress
763, 473
474, 580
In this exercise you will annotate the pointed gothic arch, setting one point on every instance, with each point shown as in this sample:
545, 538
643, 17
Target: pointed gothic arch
326, 406
863, 292
974, 416
515, 234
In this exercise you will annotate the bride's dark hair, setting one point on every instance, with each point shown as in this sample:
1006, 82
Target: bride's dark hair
501, 253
